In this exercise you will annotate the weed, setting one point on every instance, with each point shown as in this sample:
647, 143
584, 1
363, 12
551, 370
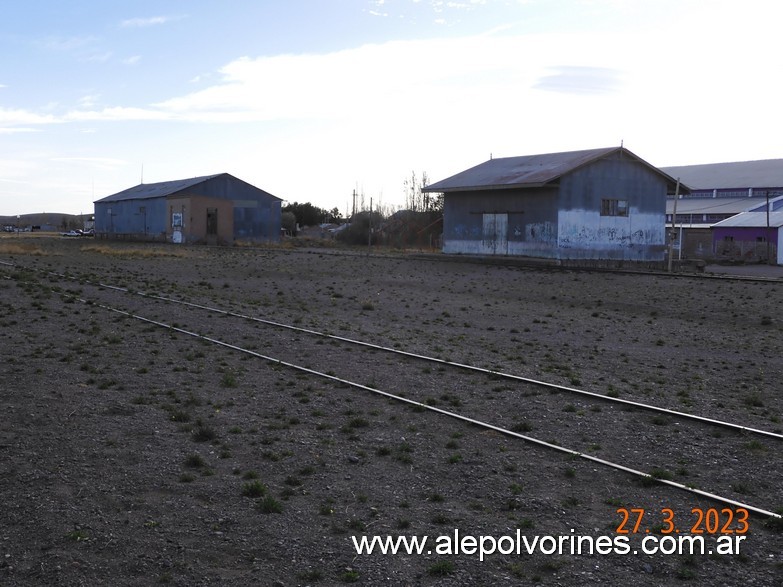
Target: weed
195, 461
269, 505
753, 400
311, 575
441, 568
521, 427
203, 433
229, 380
349, 576
661, 474
254, 489
77, 535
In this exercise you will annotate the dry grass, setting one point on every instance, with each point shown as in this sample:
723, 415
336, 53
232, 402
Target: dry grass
135, 253
7, 248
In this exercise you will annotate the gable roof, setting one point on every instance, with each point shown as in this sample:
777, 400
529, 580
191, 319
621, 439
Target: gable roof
161, 189
700, 205
145, 191
529, 171
765, 173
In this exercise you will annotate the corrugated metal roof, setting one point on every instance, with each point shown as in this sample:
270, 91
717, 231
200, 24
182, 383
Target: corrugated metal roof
765, 173
752, 220
157, 190
526, 171
712, 205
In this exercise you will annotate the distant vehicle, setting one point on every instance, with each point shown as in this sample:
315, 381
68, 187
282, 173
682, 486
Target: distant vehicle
90, 232
72, 233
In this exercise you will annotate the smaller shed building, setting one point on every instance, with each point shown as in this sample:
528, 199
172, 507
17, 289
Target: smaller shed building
752, 236
593, 204
213, 209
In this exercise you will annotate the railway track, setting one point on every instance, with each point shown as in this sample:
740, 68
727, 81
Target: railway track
513, 409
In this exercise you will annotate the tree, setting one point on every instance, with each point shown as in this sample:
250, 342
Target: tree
306, 214
288, 222
415, 198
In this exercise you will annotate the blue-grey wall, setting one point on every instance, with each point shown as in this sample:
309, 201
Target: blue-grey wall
532, 220
257, 215
584, 234
564, 222
126, 217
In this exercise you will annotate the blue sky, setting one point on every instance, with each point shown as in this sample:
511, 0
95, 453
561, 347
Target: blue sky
310, 100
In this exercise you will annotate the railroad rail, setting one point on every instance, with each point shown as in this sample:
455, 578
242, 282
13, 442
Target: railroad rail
421, 405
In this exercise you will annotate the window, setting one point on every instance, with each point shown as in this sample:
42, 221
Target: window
611, 207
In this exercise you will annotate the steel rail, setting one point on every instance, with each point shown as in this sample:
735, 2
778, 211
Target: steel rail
491, 372
486, 425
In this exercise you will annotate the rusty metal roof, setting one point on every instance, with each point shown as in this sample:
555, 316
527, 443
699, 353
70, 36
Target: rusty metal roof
528, 171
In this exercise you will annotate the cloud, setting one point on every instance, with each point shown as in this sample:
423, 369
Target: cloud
147, 22
133, 60
581, 80
89, 101
15, 117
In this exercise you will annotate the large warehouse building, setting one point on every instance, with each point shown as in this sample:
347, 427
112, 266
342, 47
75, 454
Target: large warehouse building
214, 209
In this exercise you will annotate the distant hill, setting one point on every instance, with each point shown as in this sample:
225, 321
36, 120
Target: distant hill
46, 220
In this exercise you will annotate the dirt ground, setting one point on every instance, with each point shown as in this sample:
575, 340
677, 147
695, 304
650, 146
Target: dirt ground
133, 454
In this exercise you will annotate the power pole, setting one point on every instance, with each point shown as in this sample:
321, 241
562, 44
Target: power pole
674, 226
769, 259
369, 230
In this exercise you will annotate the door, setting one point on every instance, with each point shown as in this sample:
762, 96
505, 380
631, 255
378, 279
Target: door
495, 234
212, 221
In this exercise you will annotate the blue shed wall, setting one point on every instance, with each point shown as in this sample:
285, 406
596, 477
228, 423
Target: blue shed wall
125, 218
583, 233
257, 215
531, 218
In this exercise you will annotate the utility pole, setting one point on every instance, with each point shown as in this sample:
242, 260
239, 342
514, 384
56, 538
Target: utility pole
674, 225
769, 259
354, 205
369, 230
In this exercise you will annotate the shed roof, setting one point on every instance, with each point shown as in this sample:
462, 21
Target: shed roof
765, 173
752, 220
529, 171
161, 189
712, 205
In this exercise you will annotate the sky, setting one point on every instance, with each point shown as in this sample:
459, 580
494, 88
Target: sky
310, 100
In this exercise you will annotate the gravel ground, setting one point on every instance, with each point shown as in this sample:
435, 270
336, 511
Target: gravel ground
134, 455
